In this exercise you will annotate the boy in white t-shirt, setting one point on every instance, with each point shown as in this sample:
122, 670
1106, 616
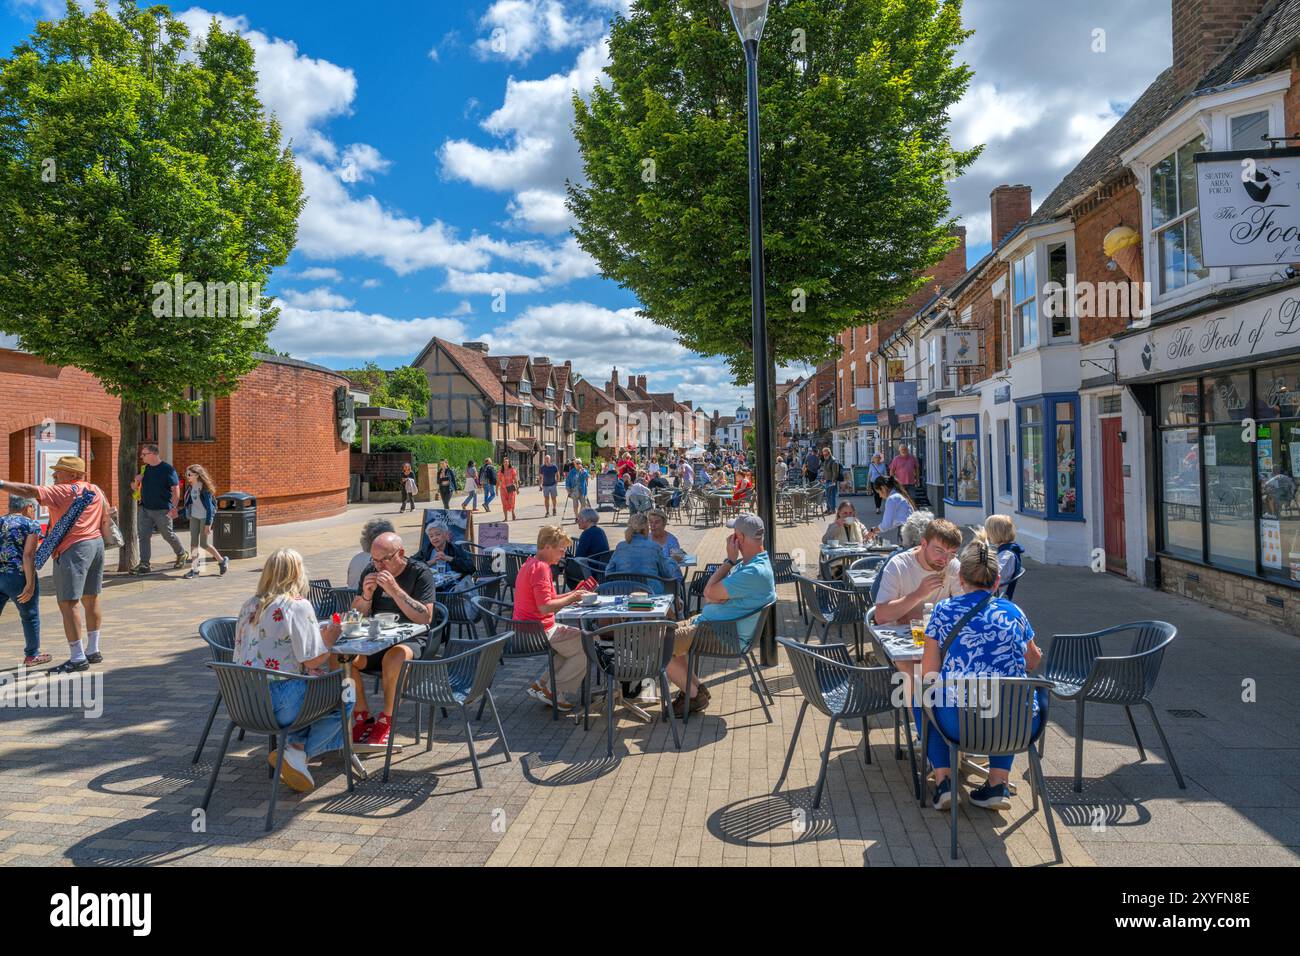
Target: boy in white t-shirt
922, 575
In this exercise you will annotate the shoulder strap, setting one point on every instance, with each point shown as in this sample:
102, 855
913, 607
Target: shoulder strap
961, 624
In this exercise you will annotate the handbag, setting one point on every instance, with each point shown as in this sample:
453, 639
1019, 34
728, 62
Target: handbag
512, 489
109, 530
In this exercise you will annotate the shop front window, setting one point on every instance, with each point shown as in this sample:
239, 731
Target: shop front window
1230, 467
1049, 457
961, 459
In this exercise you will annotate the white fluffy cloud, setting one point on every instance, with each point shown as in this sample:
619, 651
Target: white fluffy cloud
316, 274
359, 161
321, 298
518, 29
351, 336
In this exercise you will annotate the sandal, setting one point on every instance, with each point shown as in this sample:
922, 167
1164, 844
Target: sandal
37, 660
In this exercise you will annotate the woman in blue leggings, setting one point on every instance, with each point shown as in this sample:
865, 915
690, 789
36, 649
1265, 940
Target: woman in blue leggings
996, 642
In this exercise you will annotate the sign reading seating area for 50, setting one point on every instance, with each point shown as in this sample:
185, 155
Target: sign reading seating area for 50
1249, 203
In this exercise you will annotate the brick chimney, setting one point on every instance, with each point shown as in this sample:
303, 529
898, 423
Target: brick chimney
953, 266
475, 346
640, 382
1203, 29
613, 380
1010, 206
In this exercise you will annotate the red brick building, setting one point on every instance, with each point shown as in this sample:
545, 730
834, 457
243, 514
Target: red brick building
275, 437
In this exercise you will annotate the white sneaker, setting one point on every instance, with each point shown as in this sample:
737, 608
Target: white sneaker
294, 771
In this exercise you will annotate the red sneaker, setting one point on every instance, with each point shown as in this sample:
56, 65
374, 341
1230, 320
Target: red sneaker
379, 732
362, 723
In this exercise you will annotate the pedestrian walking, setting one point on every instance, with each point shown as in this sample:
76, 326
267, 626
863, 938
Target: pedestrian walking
446, 483
409, 487
471, 487
20, 533
160, 498
487, 476
79, 521
200, 507
509, 489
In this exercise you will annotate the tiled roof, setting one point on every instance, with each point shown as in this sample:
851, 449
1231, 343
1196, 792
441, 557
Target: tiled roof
1262, 44
481, 369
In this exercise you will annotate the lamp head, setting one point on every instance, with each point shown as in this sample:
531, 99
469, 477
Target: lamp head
749, 16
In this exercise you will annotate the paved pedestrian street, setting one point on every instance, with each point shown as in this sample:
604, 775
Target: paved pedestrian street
120, 788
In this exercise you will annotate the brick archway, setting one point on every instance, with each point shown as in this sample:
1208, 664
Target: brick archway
98, 445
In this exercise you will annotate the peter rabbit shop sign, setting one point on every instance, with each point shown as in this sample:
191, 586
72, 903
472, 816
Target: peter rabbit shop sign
1258, 328
1249, 203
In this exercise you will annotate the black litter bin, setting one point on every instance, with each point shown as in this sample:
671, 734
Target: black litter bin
235, 527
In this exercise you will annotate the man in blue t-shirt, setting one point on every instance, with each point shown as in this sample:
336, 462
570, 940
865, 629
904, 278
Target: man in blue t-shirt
741, 587
160, 494
550, 497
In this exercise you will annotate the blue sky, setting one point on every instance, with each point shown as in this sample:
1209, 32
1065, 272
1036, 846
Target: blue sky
434, 141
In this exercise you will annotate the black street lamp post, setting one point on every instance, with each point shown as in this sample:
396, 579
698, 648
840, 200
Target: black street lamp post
749, 17
504, 363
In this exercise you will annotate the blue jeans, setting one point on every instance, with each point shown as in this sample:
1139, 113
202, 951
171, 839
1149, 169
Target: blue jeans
832, 494
11, 585
937, 747
489, 492
323, 736
471, 501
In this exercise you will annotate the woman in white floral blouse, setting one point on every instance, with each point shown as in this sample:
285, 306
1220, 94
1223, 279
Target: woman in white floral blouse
277, 630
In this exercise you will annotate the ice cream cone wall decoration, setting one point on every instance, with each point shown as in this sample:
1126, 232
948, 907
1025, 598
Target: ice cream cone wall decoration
1124, 245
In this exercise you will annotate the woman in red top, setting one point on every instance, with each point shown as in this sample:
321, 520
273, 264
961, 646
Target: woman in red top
744, 485
536, 600
509, 481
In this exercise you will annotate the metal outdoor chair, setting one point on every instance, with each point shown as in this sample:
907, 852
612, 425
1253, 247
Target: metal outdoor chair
321, 601
462, 614
831, 604
487, 562
246, 692
998, 727
720, 640
437, 635
880, 575
524, 639
339, 601
783, 573
1077, 671
459, 679
629, 652
219, 633
901, 722
514, 561
619, 588
695, 590
830, 682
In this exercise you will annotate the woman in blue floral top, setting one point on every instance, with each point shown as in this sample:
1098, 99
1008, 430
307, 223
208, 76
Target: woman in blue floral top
277, 630
996, 642
19, 535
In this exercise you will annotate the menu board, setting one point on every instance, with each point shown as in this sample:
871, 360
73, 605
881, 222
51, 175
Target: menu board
1270, 543
605, 490
494, 534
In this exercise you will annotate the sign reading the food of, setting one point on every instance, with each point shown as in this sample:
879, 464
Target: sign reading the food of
1249, 203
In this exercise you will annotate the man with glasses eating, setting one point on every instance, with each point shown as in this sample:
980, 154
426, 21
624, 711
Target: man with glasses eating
391, 584
919, 576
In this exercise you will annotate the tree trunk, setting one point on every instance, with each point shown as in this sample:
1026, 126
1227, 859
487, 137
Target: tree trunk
128, 464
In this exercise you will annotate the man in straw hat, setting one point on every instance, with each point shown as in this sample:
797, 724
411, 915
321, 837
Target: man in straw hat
78, 516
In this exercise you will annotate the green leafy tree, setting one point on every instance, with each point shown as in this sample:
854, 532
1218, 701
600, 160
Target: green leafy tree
127, 158
404, 387
854, 100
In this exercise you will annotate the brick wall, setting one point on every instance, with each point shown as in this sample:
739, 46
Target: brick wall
1122, 206
1243, 596
275, 436
1203, 29
1009, 206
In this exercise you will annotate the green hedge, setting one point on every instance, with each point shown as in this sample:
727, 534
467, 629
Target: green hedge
430, 449
582, 450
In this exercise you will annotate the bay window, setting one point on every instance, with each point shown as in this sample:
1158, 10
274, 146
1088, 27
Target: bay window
1176, 225
1048, 450
1024, 301
961, 462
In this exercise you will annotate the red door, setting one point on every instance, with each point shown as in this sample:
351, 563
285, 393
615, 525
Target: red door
1112, 484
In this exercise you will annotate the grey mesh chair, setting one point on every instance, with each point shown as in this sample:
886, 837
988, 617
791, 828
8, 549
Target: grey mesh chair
462, 614
523, 639
832, 604
219, 633
459, 679
514, 561
629, 652
321, 601
246, 692
1000, 726
339, 601
842, 691
720, 640
695, 590
1077, 671
619, 588
436, 636
783, 573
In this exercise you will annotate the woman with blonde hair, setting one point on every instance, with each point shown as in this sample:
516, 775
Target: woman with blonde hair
846, 528
277, 630
200, 505
995, 641
638, 554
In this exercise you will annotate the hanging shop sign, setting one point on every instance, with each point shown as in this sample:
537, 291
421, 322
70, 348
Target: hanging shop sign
1249, 202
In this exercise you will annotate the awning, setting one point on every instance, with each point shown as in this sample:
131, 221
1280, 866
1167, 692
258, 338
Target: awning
520, 446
